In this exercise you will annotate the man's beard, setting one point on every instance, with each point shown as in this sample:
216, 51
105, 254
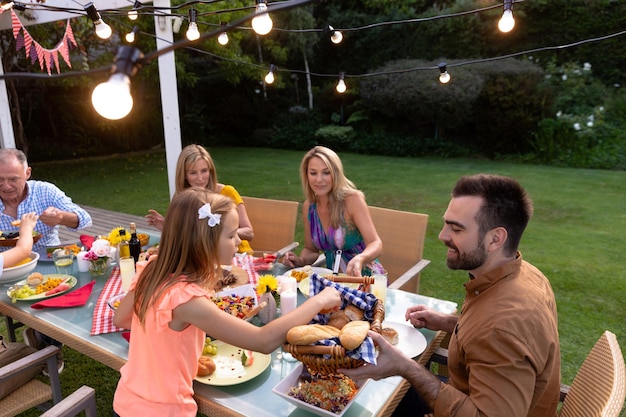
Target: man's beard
469, 261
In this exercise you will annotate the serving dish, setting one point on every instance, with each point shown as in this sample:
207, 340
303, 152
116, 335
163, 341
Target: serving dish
241, 291
291, 380
21, 271
67, 279
13, 241
229, 370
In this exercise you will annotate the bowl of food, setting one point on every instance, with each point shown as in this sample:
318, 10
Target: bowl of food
10, 238
322, 395
144, 239
115, 301
239, 301
21, 270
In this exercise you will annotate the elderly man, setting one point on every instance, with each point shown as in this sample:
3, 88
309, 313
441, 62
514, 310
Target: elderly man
19, 195
504, 357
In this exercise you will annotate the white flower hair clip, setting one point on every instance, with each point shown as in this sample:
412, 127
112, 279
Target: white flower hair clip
205, 212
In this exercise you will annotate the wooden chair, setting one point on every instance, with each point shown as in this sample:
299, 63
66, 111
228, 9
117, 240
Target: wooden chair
403, 234
599, 387
274, 223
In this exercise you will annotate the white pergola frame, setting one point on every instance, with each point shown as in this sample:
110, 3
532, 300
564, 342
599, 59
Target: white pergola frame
167, 75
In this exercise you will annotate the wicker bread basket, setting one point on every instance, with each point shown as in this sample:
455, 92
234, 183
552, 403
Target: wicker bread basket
316, 357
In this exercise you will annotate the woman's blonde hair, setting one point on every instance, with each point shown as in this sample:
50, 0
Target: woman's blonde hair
188, 250
341, 188
189, 155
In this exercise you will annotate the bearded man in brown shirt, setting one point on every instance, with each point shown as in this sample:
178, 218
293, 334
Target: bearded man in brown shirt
504, 357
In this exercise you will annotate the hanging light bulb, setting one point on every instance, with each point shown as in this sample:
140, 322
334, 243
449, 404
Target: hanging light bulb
507, 22
103, 31
262, 22
130, 36
192, 31
444, 77
222, 39
112, 99
341, 85
132, 14
269, 77
335, 36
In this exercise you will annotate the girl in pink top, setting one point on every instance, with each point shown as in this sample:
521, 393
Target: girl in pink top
169, 309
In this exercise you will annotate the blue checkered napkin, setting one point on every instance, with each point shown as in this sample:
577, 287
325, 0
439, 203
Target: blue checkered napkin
363, 300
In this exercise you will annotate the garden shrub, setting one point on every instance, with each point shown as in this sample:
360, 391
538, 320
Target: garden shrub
333, 136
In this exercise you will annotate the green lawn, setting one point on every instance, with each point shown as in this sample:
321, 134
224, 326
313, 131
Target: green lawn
576, 237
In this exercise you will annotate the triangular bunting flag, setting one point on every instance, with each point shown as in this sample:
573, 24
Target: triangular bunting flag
32, 48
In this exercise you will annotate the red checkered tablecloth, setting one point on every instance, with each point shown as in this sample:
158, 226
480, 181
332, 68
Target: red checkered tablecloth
102, 321
246, 262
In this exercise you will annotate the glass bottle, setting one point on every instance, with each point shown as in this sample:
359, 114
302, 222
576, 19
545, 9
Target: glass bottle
123, 246
134, 244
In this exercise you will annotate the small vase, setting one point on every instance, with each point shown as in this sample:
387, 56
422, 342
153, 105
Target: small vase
267, 313
99, 267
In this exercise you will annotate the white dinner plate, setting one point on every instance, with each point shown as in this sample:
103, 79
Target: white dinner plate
283, 387
303, 284
229, 370
410, 340
68, 279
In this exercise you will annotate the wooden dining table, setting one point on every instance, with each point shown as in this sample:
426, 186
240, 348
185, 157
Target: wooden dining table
72, 326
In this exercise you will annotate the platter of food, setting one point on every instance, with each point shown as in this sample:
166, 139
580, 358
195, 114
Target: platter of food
233, 365
37, 286
9, 238
45, 254
409, 340
306, 395
305, 272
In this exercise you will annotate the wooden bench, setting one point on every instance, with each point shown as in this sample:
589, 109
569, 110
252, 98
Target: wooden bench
103, 222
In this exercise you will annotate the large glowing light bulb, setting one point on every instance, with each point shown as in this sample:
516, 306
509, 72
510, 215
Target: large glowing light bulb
112, 99
103, 30
335, 36
192, 31
444, 77
507, 22
132, 13
262, 22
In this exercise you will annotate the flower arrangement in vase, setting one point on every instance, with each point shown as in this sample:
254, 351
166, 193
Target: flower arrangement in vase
267, 290
99, 257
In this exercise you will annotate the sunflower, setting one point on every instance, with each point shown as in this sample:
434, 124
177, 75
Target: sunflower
267, 283
115, 238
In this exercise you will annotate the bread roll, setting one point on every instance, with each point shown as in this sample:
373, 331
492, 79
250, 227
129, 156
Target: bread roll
353, 334
353, 312
338, 319
206, 366
34, 279
390, 334
310, 333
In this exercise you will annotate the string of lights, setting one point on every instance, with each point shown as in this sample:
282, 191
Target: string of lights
130, 62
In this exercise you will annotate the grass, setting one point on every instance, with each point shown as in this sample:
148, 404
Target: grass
576, 236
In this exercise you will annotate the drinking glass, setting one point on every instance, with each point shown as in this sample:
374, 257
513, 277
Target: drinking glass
127, 271
63, 261
379, 288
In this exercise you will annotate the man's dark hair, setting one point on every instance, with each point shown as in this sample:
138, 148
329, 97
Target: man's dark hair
505, 204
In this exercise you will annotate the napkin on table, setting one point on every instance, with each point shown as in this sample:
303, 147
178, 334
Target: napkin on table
364, 300
87, 241
75, 298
